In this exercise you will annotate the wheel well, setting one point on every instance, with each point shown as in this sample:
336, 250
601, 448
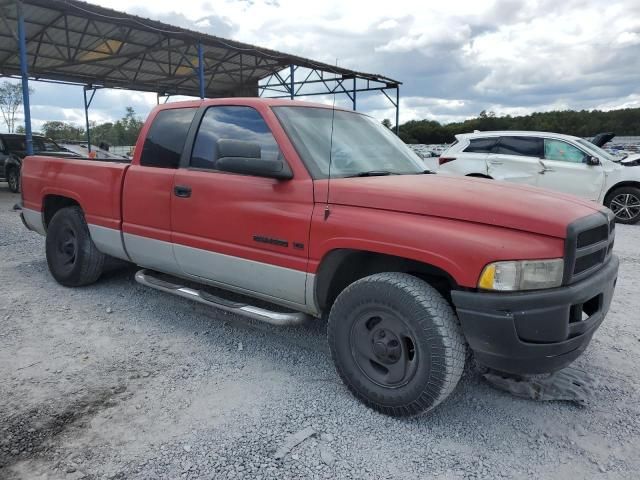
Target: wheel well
53, 203
620, 185
479, 175
340, 268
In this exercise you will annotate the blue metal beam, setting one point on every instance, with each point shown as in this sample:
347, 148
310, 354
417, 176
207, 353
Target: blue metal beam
22, 45
398, 110
87, 104
354, 94
201, 69
292, 87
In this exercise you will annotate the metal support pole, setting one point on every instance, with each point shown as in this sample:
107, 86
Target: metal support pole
292, 82
354, 93
201, 69
87, 104
22, 44
398, 110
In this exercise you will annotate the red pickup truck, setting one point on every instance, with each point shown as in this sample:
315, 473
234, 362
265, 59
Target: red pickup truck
304, 211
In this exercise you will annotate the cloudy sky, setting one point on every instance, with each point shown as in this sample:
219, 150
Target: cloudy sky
455, 58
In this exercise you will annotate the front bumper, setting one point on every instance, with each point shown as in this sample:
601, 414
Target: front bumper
539, 331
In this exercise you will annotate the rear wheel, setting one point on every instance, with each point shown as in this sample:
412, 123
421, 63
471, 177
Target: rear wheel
13, 179
72, 256
624, 202
396, 343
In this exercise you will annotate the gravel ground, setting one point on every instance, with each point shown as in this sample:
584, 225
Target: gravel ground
115, 381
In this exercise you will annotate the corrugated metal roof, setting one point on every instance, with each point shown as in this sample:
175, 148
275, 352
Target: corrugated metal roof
73, 41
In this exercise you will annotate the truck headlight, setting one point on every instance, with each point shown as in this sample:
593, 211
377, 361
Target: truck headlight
522, 275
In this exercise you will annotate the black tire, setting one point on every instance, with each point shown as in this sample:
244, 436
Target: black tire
396, 343
72, 256
624, 202
13, 179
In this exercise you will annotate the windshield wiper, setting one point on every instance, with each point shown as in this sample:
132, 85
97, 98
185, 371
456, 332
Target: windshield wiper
372, 173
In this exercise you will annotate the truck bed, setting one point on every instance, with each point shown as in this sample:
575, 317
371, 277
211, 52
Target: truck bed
95, 184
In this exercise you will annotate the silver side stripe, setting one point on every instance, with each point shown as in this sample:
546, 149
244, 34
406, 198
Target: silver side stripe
281, 285
33, 219
109, 241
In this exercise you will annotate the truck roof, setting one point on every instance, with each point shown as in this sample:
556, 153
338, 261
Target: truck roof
250, 101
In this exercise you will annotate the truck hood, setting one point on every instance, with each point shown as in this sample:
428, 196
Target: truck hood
466, 199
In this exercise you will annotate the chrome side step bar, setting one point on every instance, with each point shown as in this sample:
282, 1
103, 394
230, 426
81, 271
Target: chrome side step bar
145, 277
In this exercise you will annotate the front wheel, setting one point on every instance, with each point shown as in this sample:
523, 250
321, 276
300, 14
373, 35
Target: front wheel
624, 202
396, 343
13, 179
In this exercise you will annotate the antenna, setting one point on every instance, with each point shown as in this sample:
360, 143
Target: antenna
327, 210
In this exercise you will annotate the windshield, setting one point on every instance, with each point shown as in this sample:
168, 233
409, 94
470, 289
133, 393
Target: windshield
597, 151
360, 144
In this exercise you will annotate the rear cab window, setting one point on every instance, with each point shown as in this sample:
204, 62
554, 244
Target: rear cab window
166, 137
521, 146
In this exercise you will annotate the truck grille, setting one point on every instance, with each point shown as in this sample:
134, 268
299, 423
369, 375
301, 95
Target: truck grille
588, 246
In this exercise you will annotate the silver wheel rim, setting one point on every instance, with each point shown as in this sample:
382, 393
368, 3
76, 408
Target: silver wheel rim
625, 206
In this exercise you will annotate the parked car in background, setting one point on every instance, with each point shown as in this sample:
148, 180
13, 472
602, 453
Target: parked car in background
13, 149
81, 149
549, 160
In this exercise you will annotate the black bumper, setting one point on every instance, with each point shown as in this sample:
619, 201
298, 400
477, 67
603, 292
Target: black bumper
539, 331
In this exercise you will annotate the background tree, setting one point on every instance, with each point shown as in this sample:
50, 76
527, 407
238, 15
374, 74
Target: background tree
10, 102
123, 132
387, 123
57, 130
582, 123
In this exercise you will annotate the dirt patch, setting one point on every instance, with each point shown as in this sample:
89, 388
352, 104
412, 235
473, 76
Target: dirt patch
32, 433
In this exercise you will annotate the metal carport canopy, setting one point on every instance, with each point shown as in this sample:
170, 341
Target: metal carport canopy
76, 42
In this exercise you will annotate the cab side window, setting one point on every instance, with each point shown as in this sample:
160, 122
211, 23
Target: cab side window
562, 152
238, 123
523, 146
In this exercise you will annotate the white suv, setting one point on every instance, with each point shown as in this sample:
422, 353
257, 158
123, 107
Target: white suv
549, 160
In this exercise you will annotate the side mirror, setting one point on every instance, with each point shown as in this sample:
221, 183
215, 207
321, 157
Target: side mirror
237, 156
592, 161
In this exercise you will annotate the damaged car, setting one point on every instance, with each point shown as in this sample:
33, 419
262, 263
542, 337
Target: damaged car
550, 160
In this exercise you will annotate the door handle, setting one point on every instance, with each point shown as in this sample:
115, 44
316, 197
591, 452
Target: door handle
182, 191
495, 162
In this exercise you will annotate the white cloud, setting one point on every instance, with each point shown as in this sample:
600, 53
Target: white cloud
454, 58
628, 38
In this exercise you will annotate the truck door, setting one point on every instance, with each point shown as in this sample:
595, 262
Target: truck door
244, 232
564, 169
148, 191
515, 159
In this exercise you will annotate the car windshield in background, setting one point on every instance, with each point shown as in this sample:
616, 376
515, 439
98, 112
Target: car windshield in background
360, 146
597, 151
17, 144
46, 145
